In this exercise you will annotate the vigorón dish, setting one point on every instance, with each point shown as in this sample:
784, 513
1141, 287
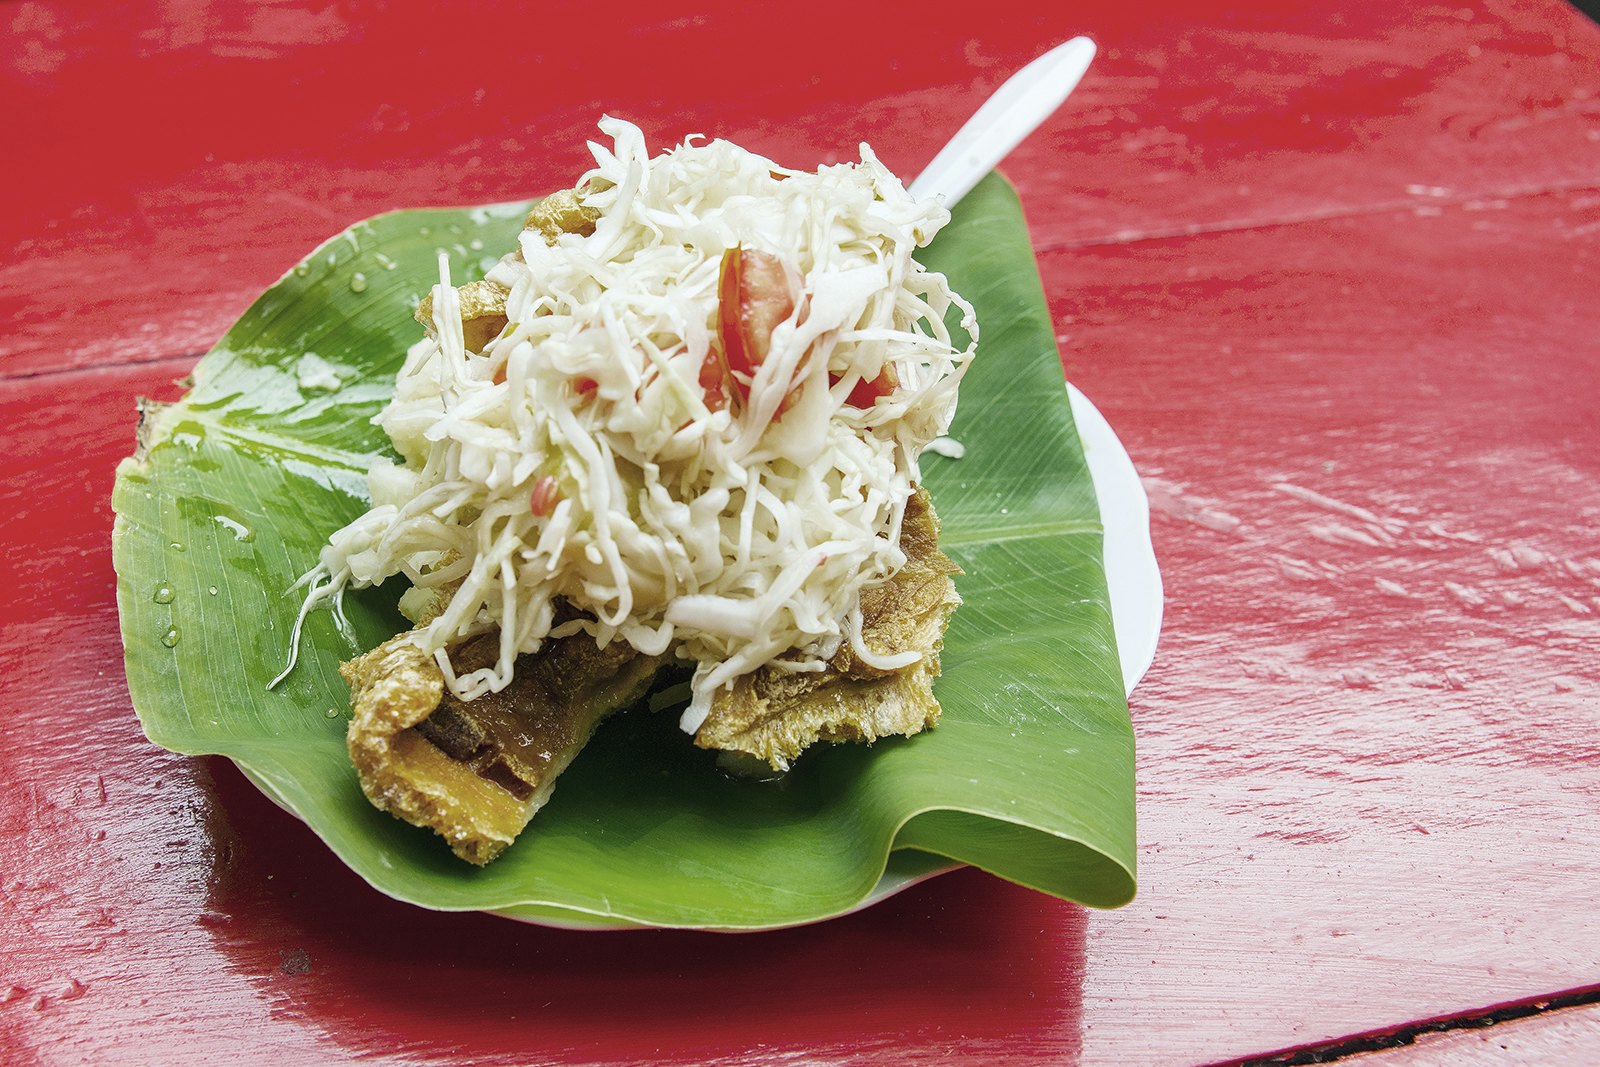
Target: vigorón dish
679, 424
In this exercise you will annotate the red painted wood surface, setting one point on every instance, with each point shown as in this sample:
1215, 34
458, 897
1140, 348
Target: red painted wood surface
1329, 272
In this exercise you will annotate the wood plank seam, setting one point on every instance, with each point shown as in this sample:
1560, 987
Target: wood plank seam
1398, 1037
136, 364
1386, 207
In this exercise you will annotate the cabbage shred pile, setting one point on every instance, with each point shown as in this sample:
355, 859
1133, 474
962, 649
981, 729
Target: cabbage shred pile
581, 457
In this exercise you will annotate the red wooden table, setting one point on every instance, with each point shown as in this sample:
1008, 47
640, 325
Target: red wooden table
1328, 269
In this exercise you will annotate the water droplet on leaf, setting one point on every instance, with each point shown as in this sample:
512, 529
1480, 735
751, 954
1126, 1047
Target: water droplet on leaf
170, 638
164, 594
240, 531
358, 282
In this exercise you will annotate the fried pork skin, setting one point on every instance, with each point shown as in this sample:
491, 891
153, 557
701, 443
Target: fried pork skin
561, 213
483, 304
483, 313
476, 772
775, 715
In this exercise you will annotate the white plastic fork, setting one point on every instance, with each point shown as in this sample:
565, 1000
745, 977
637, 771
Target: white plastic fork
1011, 113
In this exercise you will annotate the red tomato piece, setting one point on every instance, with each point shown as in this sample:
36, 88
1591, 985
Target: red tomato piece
542, 501
713, 381
753, 298
866, 392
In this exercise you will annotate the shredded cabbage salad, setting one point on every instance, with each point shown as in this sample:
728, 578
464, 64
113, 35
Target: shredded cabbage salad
585, 455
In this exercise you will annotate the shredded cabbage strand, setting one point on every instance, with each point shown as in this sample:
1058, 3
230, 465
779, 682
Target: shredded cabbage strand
741, 537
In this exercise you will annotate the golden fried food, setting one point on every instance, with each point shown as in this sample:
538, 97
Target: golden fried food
483, 304
476, 772
561, 213
693, 442
774, 715
483, 313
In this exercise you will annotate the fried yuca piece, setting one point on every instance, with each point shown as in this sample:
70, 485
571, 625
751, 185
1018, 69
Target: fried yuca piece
476, 772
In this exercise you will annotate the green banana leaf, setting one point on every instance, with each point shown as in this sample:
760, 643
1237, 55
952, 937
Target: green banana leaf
235, 488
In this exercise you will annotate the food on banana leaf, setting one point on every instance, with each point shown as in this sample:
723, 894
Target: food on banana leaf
680, 423
774, 715
477, 771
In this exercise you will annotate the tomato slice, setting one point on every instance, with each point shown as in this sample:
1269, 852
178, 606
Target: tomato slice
866, 393
713, 382
542, 501
753, 296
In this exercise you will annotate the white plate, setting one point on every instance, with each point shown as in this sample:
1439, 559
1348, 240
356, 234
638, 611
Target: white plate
1132, 577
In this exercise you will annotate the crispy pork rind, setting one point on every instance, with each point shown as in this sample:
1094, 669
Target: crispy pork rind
774, 715
483, 313
483, 304
476, 772
561, 213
